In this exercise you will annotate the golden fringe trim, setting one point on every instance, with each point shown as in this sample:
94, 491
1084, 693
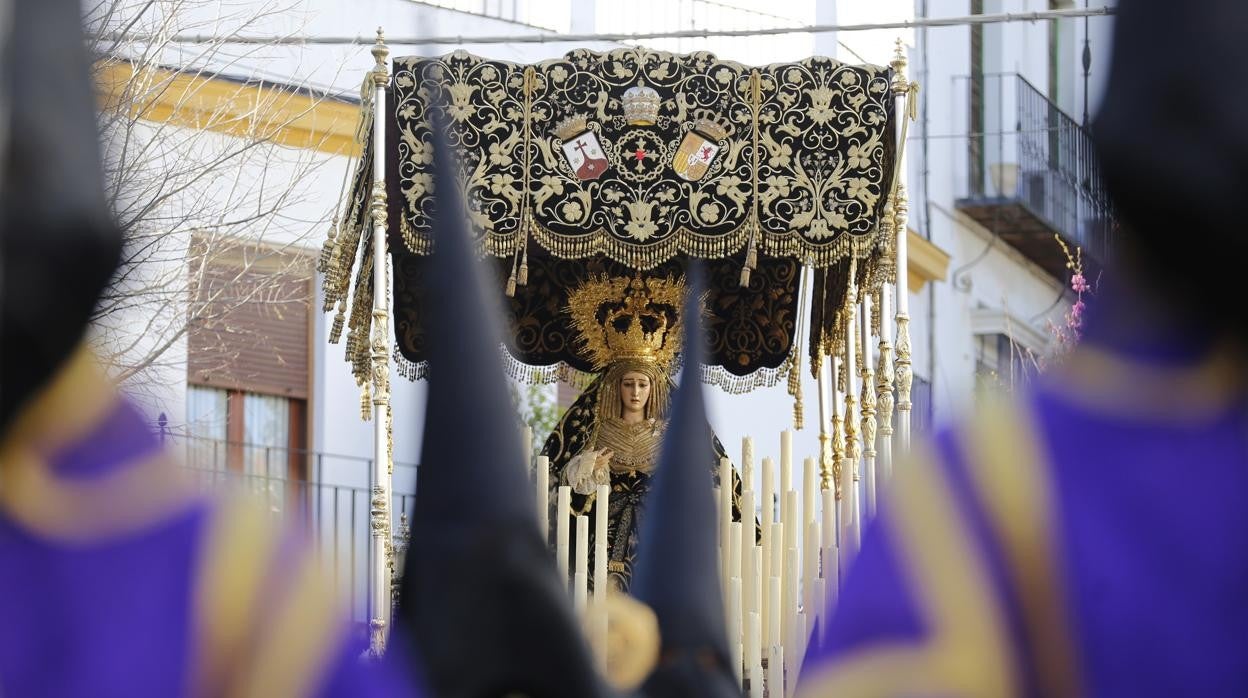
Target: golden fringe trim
683, 241
561, 372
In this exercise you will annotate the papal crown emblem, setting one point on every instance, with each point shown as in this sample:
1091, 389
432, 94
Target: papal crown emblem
620, 319
641, 105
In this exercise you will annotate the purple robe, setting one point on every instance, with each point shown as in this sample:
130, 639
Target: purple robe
1086, 539
116, 579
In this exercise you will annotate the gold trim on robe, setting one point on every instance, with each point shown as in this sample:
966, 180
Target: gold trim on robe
967, 651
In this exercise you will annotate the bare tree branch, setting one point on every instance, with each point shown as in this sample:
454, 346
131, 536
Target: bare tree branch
217, 213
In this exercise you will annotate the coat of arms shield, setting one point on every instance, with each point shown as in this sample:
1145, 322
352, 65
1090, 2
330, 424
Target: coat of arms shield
694, 156
585, 155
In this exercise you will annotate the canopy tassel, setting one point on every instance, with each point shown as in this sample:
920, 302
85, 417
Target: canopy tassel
523, 277
511, 280
751, 255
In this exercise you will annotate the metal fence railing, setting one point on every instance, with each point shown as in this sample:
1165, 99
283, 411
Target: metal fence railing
326, 495
1020, 147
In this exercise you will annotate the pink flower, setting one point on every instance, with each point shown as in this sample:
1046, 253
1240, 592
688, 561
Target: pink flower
1078, 283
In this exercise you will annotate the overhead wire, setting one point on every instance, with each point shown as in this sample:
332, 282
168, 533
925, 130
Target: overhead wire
303, 40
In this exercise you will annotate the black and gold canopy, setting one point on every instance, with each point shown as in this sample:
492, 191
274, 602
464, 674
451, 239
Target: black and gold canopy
632, 162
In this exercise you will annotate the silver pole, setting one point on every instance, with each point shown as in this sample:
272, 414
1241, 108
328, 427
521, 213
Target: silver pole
826, 473
850, 470
867, 407
884, 389
905, 377
381, 549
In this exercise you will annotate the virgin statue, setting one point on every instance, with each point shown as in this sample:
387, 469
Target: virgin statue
612, 433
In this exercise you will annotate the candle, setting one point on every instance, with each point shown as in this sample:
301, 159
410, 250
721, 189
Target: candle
582, 544
810, 492
777, 550
773, 612
543, 498
747, 530
786, 476
580, 594
580, 582
734, 625
821, 615
753, 654
775, 672
792, 525
832, 574
798, 644
601, 508
810, 569
748, 572
792, 576
759, 583
563, 511
734, 549
769, 514
772, 616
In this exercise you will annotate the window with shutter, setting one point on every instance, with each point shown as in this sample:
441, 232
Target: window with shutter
248, 358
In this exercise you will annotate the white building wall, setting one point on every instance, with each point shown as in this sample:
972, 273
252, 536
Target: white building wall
984, 272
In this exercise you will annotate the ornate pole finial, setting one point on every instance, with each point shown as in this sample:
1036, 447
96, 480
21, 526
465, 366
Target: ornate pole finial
898, 64
381, 55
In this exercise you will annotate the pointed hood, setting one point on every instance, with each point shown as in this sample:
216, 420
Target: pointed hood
1171, 147
59, 245
481, 601
677, 572
471, 462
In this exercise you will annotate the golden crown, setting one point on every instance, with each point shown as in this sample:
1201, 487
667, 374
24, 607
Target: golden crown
619, 318
641, 105
711, 125
571, 127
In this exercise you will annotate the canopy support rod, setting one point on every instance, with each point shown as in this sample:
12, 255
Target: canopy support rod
902, 90
381, 548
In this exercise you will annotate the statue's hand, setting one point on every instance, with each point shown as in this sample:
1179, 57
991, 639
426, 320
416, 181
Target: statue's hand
603, 461
580, 472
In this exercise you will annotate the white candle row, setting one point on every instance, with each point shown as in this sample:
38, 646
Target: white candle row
779, 580
779, 586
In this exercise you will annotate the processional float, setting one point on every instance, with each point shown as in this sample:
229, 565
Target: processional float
785, 179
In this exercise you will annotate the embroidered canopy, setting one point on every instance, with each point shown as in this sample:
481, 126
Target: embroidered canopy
633, 162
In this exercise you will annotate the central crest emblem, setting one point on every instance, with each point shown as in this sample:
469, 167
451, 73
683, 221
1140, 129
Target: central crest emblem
581, 148
698, 149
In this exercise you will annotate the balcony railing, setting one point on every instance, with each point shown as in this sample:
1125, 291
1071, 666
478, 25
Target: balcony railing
1030, 172
324, 494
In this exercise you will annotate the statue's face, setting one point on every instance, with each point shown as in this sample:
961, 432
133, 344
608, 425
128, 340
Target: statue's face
634, 392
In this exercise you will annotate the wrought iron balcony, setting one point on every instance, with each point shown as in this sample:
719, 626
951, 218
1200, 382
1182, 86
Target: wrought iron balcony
326, 495
1031, 173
